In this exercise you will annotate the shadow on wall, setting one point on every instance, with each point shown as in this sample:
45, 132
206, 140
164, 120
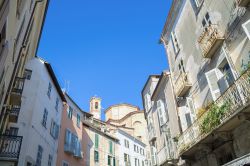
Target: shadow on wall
87, 145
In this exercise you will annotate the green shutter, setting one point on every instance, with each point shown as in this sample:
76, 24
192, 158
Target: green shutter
96, 141
110, 147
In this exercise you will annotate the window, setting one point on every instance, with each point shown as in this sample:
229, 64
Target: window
246, 27
109, 160
161, 111
70, 112
45, 116
78, 120
135, 148
136, 161
206, 20
126, 143
96, 156
39, 156
188, 119
67, 141
54, 129
73, 145
212, 78
96, 105
126, 158
50, 160
110, 147
198, 3
175, 42
49, 90
96, 141
27, 74
142, 163
57, 103
13, 131
65, 163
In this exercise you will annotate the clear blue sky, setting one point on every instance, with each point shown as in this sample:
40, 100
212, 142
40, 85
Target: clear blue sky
105, 48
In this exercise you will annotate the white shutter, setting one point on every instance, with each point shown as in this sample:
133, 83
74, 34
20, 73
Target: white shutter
160, 112
190, 105
246, 27
212, 78
198, 3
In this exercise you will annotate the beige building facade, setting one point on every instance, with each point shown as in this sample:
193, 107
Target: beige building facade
21, 24
207, 45
130, 119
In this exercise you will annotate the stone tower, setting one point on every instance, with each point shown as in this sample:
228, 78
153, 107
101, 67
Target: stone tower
95, 107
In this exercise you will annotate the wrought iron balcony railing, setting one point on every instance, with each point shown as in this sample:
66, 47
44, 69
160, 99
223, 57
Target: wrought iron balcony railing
182, 84
13, 113
235, 99
210, 40
243, 3
10, 147
17, 91
18, 85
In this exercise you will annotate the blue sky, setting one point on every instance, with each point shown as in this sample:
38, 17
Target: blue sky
105, 48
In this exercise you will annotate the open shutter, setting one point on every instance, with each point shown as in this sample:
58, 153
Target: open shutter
246, 27
213, 77
190, 105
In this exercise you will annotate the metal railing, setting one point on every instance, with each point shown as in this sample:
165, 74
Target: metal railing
14, 111
18, 85
230, 103
10, 147
181, 83
208, 38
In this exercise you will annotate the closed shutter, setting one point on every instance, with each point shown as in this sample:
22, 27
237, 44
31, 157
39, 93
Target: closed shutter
246, 27
160, 113
96, 141
213, 77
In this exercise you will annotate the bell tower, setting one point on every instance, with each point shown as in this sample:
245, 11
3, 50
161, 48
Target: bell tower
95, 107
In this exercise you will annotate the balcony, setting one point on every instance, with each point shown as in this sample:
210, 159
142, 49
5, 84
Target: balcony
210, 40
13, 114
222, 116
17, 91
10, 147
243, 3
182, 84
165, 156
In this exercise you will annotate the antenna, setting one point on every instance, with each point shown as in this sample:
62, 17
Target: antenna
66, 86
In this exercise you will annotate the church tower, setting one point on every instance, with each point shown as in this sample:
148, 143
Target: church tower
95, 107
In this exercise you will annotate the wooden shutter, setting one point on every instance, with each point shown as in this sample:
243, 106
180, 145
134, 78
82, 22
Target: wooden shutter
246, 27
160, 112
190, 105
213, 77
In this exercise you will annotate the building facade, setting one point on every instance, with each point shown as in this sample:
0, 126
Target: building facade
21, 24
71, 141
39, 119
131, 151
207, 45
162, 118
130, 119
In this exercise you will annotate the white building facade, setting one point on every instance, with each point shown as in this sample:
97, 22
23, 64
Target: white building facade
40, 116
131, 151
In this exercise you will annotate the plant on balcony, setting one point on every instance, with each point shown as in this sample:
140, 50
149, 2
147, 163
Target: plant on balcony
214, 117
200, 112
